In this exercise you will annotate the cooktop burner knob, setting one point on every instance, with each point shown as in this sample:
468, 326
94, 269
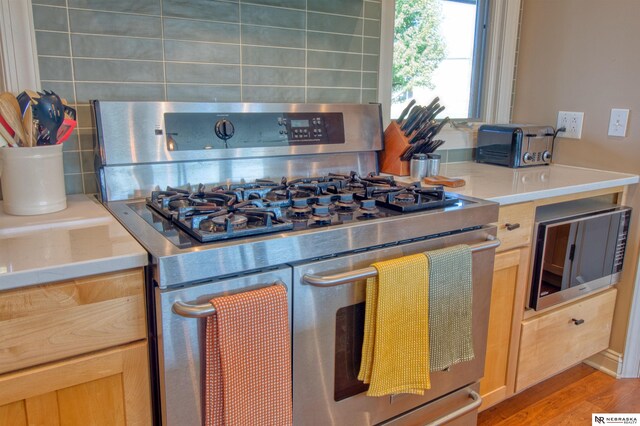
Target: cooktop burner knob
527, 157
224, 129
546, 156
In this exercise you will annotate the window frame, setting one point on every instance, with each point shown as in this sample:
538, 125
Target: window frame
496, 77
18, 56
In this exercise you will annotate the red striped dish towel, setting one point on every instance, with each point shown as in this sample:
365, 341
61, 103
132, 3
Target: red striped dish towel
248, 360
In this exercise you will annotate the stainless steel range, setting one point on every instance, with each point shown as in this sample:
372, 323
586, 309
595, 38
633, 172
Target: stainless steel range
232, 197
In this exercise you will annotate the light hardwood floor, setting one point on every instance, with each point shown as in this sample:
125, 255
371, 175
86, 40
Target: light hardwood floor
566, 399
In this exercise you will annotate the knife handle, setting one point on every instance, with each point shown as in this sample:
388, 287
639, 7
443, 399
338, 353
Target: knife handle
405, 111
413, 116
433, 102
416, 123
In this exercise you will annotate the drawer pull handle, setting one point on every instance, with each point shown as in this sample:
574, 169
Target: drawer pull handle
577, 321
511, 226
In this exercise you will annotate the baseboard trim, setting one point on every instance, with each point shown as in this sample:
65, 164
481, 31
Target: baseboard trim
607, 361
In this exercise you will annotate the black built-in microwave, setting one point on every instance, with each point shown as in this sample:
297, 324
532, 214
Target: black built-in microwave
579, 247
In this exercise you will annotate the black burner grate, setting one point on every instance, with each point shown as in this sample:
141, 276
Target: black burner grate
237, 210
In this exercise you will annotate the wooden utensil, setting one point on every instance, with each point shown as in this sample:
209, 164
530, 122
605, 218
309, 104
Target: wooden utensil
445, 181
11, 100
10, 111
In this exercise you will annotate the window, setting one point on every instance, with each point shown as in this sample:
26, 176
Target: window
438, 50
489, 90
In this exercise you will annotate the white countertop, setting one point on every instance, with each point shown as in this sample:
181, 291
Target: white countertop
84, 239
508, 186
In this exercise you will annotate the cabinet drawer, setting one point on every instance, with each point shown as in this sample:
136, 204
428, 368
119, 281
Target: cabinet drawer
553, 342
515, 225
50, 322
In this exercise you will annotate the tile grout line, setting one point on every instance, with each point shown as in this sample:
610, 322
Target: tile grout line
84, 58
362, 53
157, 83
75, 94
164, 62
215, 42
306, 50
94, 58
151, 15
240, 44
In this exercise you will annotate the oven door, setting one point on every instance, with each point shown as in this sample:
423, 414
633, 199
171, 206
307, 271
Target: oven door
328, 332
181, 322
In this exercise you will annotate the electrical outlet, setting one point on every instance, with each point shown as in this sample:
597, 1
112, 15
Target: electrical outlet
618, 122
572, 122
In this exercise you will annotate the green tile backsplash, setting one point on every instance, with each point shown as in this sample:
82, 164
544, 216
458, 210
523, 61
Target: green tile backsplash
202, 50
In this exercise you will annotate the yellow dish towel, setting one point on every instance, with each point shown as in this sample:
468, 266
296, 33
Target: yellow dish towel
395, 350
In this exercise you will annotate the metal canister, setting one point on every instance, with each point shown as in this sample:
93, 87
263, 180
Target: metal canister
433, 168
419, 166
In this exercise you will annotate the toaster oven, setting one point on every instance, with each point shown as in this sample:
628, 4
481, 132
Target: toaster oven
515, 145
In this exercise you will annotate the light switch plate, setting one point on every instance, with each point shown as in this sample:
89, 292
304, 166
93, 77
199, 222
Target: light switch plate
618, 122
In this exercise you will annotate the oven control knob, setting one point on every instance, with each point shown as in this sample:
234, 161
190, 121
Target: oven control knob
527, 157
546, 156
224, 129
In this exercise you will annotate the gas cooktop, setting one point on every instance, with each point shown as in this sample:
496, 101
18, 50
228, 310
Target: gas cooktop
236, 210
149, 155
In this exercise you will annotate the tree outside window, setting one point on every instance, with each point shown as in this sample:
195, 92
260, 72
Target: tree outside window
433, 54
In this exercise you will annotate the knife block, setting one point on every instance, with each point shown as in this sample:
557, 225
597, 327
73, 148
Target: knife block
395, 144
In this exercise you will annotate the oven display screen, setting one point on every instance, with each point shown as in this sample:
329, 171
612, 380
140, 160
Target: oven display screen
299, 123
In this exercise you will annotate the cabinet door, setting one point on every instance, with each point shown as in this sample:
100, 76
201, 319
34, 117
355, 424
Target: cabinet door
105, 388
509, 283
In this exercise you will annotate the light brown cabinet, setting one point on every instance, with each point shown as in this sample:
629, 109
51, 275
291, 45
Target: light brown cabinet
510, 271
75, 353
524, 346
499, 371
515, 225
109, 387
562, 337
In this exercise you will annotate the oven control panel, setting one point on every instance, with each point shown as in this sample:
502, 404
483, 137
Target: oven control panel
312, 128
194, 130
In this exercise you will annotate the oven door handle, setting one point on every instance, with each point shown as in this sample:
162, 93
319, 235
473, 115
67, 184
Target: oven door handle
202, 310
370, 272
476, 401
